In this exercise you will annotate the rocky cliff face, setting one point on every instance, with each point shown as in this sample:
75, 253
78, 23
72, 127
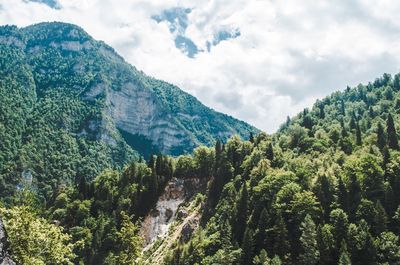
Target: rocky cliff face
175, 218
170, 207
148, 114
5, 259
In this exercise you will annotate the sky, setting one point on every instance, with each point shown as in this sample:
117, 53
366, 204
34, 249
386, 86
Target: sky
257, 60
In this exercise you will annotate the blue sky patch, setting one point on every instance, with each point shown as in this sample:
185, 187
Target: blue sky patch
51, 3
177, 21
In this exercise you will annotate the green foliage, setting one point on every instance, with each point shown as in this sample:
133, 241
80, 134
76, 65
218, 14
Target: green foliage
33, 240
308, 239
323, 190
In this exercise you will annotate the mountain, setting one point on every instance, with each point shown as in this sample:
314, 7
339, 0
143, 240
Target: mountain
71, 106
324, 189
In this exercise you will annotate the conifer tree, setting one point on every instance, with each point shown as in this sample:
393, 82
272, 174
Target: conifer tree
358, 134
371, 112
241, 215
354, 195
270, 152
322, 111
276, 260
380, 219
367, 249
262, 258
381, 139
386, 157
262, 226
353, 122
339, 221
248, 247
251, 138
342, 107
391, 133
344, 258
343, 197
324, 193
343, 132
281, 246
308, 239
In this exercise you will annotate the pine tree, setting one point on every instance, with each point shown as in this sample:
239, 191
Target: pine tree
386, 157
380, 219
371, 112
344, 258
251, 138
262, 258
269, 152
324, 193
321, 111
367, 249
343, 132
151, 163
308, 239
241, 215
352, 124
342, 107
358, 134
339, 221
281, 246
83, 188
218, 151
159, 165
343, 197
261, 230
276, 260
248, 247
354, 195
396, 82
381, 139
391, 133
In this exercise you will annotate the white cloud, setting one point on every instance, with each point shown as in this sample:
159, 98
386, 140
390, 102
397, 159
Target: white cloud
287, 55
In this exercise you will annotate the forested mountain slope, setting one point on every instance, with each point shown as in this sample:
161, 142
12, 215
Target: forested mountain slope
325, 189
70, 107
322, 190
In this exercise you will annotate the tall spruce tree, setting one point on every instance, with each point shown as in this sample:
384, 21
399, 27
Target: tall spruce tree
241, 215
262, 226
344, 258
391, 133
308, 239
281, 243
358, 134
248, 247
381, 138
343, 197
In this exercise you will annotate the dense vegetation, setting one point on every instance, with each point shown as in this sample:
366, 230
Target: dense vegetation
325, 189
55, 121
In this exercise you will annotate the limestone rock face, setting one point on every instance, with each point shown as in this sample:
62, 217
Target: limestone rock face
5, 259
149, 115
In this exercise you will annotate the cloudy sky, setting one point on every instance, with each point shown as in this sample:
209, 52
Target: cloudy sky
257, 60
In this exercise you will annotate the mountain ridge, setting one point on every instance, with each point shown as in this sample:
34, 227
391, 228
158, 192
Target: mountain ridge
115, 84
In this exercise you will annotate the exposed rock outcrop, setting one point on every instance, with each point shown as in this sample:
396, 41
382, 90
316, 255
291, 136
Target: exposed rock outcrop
5, 259
156, 224
150, 115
